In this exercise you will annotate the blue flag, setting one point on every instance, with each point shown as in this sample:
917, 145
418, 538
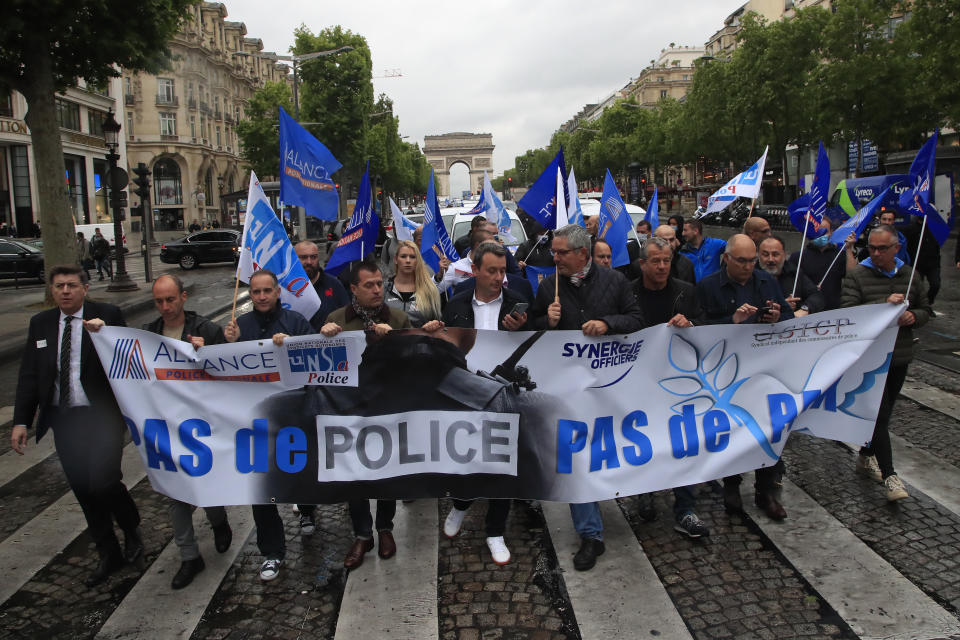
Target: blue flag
360, 236
305, 169
813, 204
916, 200
653, 216
536, 274
435, 241
540, 201
614, 222
859, 222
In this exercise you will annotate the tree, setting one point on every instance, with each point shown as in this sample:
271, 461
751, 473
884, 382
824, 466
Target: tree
930, 40
259, 134
45, 47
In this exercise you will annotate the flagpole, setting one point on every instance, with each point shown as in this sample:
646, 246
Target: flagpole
535, 245
823, 279
753, 201
236, 289
796, 278
923, 227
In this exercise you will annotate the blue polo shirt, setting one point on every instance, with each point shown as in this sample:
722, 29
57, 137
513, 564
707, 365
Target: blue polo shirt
706, 259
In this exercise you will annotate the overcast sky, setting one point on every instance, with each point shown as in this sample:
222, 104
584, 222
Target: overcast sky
515, 69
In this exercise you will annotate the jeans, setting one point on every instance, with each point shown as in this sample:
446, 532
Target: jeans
181, 517
363, 520
497, 512
683, 501
880, 443
271, 540
587, 520
103, 264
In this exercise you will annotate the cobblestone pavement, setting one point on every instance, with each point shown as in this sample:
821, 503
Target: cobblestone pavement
926, 428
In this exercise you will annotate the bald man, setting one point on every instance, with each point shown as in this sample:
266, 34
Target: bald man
757, 228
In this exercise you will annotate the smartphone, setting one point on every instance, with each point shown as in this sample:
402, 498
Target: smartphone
519, 309
762, 311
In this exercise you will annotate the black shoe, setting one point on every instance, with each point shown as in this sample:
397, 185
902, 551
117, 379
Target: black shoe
107, 565
586, 557
646, 509
732, 502
188, 569
768, 503
101, 277
222, 537
132, 545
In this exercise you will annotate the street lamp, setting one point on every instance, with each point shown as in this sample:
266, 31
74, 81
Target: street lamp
117, 180
223, 207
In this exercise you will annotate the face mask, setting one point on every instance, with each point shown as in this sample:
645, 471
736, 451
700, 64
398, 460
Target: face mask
643, 237
821, 241
674, 227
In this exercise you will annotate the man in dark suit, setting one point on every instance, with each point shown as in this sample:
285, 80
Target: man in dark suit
490, 306
61, 375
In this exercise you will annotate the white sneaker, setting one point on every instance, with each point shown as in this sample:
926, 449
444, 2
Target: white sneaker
895, 489
451, 526
296, 509
867, 466
270, 569
498, 550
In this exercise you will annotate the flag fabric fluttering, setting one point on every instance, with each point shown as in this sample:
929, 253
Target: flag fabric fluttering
915, 201
613, 224
536, 274
495, 211
540, 201
305, 169
859, 222
267, 246
360, 236
574, 211
653, 216
807, 211
435, 242
403, 227
561, 207
743, 185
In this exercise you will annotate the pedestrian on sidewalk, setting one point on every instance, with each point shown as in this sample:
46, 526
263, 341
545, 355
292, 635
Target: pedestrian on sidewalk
83, 254
62, 377
100, 252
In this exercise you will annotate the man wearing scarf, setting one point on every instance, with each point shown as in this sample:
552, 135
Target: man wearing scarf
598, 301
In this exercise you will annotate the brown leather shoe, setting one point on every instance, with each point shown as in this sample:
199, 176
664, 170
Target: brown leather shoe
355, 556
386, 545
770, 506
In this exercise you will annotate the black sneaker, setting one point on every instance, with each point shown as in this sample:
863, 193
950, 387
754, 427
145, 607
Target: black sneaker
307, 525
188, 569
586, 557
691, 526
222, 537
132, 546
646, 509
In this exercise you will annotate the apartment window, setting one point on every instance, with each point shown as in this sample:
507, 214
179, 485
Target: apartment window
659, 78
193, 126
165, 93
686, 77
6, 102
219, 142
95, 121
68, 114
127, 86
130, 124
663, 93
190, 91
168, 124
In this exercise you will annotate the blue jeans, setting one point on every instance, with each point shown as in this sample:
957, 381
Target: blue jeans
587, 520
683, 501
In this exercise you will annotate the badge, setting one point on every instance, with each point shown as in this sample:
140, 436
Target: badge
41, 344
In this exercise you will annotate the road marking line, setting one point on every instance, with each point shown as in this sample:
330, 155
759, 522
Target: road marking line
397, 598
33, 545
175, 614
601, 604
864, 589
13, 464
932, 397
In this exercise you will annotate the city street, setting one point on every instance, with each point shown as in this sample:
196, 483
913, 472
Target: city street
844, 564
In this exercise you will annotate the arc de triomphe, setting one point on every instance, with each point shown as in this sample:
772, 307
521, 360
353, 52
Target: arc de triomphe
472, 149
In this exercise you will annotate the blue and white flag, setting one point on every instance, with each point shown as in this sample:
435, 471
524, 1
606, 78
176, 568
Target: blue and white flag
360, 236
540, 201
435, 242
562, 219
403, 227
614, 222
266, 246
305, 169
859, 222
574, 211
653, 215
536, 274
495, 211
743, 185
807, 211
916, 200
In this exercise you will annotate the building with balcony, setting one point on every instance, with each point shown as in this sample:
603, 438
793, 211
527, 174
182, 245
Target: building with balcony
182, 123
669, 76
723, 42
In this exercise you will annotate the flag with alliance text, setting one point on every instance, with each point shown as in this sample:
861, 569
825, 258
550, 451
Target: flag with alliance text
360, 236
305, 169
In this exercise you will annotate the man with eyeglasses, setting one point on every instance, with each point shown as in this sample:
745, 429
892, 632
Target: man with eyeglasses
597, 301
736, 294
879, 279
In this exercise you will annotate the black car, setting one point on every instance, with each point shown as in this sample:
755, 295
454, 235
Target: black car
215, 245
20, 260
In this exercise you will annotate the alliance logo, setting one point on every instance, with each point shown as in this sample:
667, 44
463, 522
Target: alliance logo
128, 361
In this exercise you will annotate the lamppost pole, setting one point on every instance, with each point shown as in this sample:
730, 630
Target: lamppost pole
223, 205
117, 181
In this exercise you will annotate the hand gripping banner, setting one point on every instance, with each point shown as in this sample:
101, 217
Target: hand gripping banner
547, 415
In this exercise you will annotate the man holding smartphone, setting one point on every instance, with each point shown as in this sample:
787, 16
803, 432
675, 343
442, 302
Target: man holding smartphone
494, 307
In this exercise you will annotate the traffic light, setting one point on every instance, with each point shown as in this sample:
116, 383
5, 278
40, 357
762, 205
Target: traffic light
510, 181
142, 181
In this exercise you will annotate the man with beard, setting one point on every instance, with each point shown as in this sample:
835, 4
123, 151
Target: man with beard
331, 293
808, 298
267, 321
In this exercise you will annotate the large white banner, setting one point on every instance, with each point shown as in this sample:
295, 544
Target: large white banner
548, 415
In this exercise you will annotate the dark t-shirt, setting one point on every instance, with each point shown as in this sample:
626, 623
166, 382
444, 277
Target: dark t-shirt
657, 306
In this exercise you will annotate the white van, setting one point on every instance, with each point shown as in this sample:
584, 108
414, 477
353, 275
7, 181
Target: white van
106, 229
461, 226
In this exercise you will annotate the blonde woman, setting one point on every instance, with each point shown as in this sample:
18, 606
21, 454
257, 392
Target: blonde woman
412, 288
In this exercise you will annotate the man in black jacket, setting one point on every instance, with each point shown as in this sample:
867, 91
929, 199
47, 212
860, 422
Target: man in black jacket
808, 298
493, 307
597, 301
267, 321
175, 322
61, 375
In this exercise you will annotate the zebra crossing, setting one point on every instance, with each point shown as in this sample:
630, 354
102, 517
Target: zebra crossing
623, 596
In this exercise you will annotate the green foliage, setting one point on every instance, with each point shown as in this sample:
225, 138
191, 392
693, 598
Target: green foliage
259, 134
930, 41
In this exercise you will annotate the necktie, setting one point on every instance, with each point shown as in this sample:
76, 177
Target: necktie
65, 345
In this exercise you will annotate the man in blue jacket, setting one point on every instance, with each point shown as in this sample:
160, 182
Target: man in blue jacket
703, 252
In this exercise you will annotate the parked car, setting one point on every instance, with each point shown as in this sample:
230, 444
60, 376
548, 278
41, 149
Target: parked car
20, 260
214, 245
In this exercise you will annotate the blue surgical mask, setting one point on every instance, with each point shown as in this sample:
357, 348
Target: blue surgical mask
821, 241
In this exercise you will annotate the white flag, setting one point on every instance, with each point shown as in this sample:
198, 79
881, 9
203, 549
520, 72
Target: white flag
743, 185
562, 220
576, 213
403, 228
